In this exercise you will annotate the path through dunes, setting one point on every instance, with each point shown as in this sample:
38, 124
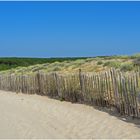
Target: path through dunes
33, 116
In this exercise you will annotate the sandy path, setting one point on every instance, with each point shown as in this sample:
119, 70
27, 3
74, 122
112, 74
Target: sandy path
33, 116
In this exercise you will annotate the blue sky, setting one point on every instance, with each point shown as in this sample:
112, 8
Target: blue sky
67, 29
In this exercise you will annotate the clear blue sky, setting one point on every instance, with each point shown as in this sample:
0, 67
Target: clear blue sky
59, 29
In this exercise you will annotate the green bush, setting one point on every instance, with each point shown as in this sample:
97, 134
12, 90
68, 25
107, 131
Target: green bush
56, 68
114, 64
99, 63
136, 62
127, 67
106, 64
89, 59
135, 56
123, 57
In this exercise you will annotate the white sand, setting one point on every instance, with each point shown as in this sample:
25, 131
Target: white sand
33, 116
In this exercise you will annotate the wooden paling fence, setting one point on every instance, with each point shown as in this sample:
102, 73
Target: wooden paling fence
106, 89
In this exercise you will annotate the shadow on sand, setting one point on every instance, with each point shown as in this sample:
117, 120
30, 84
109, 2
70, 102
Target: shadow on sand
111, 111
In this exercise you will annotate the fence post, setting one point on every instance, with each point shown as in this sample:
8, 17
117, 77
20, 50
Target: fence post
58, 86
38, 83
81, 83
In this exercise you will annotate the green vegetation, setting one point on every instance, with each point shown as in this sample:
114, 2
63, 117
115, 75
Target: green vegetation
99, 63
8, 63
114, 64
69, 65
135, 56
127, 67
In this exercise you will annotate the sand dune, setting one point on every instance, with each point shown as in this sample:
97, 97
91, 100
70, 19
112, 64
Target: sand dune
33, 116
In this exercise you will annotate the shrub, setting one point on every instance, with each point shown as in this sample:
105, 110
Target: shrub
99, 63
136, 62
89, 59
56, 68
127, 67
114, 64
123, 57
106, 63
135, 56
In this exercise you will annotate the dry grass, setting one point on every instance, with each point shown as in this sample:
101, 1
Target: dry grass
97, 64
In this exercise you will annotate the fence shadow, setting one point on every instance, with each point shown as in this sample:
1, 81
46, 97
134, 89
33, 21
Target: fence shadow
128, 119
112, 111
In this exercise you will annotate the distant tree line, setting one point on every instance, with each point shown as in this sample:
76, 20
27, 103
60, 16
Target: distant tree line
13, 62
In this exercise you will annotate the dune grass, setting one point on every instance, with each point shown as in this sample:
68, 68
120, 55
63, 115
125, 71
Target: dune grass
69, 65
